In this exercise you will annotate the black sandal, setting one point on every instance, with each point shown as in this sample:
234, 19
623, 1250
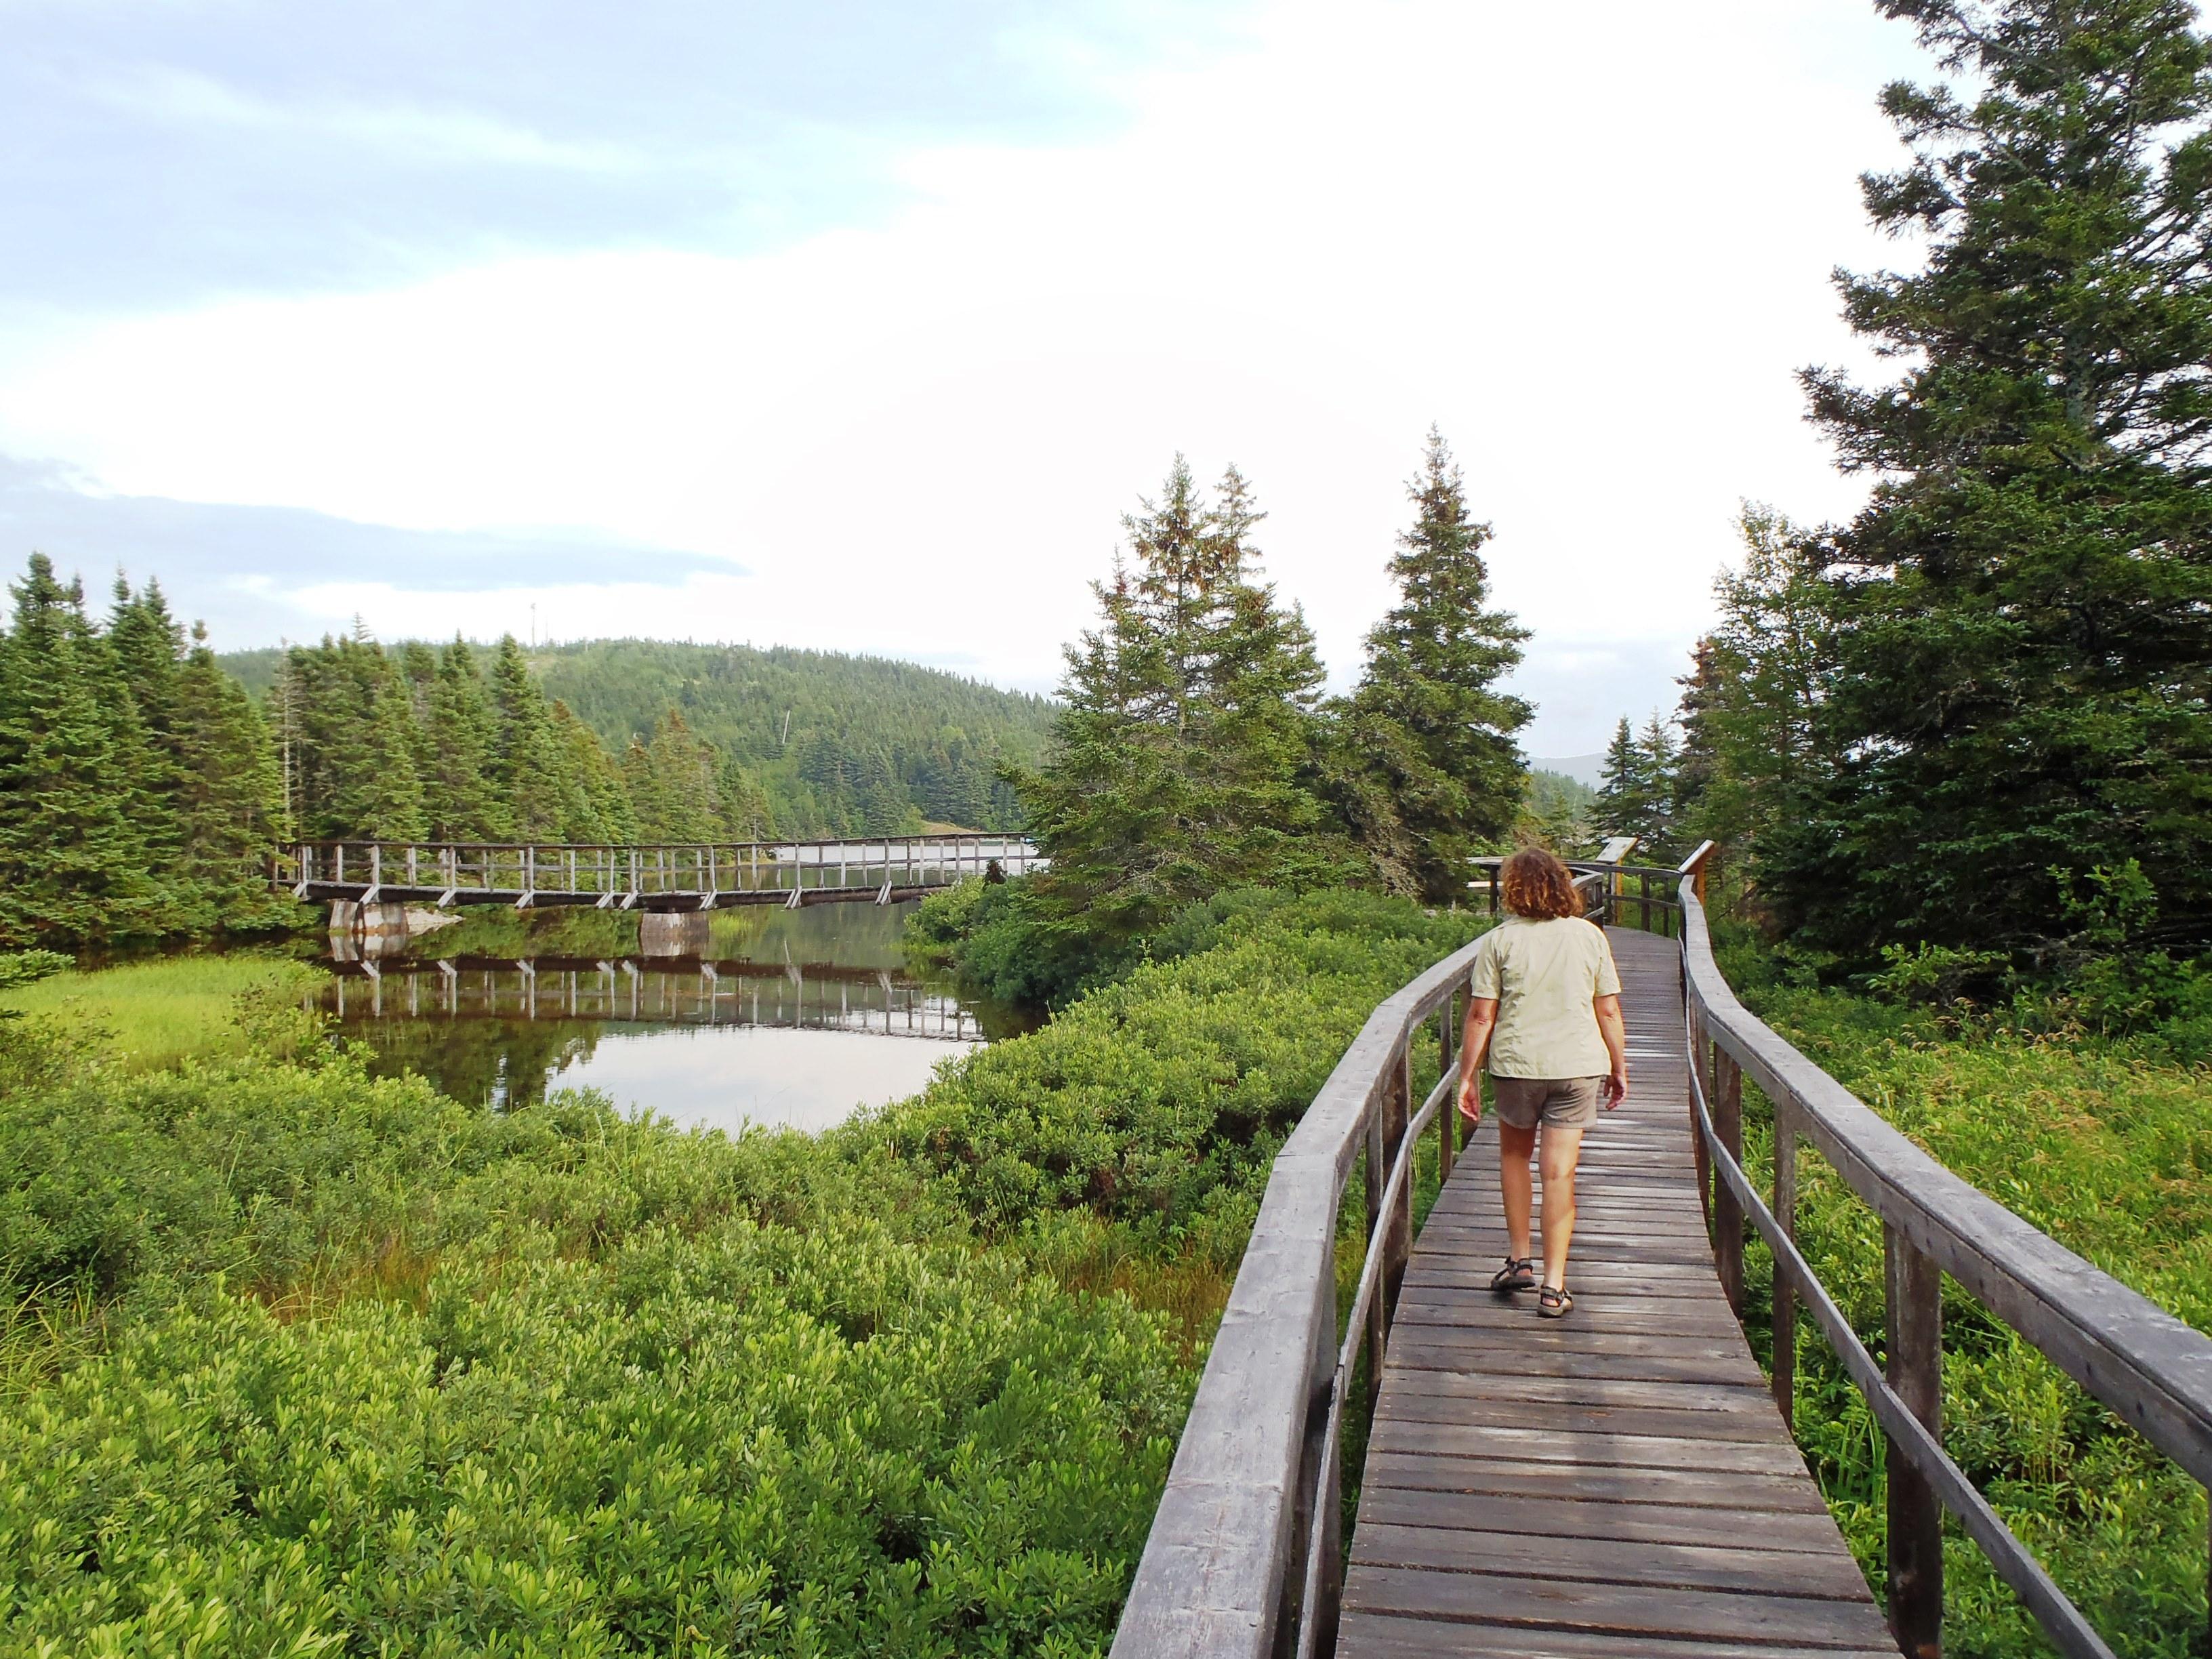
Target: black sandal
1515, 1275
1553, 1302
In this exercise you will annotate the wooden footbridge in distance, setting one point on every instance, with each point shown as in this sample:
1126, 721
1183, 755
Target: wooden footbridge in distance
656, 878
1621, 1484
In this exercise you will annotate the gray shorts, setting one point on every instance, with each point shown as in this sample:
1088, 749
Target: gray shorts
1560, 1103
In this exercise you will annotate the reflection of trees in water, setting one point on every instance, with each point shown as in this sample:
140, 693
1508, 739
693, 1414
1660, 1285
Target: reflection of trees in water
845, 935
482, 1062
456, 1005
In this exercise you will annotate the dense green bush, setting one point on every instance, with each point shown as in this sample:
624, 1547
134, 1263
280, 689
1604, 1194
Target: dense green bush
1007, 946
1159, 1102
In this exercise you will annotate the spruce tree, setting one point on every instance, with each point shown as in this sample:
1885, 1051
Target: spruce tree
1624, 793
1658, 754
74, 862
526, 762
1428, 766
673, 783
1753, 747
229, 802
1185, 758
745, 813
595, 801
2023, 698
1253, 742
385, 794
459, 736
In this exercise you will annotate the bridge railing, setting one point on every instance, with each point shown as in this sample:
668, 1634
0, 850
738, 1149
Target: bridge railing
627, 876
1246, 1551
1244, 1555
2149, 1368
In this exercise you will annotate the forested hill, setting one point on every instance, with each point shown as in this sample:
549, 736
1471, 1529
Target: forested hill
841, 745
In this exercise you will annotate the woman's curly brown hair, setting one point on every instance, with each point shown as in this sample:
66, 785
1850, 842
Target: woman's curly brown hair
1534, 883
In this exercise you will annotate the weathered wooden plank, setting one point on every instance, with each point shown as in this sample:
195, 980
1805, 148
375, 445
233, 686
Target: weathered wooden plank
1587, 1449
1632, 1486
1747, 1423
1670, 1319
1799, 1531
1480, 1384
1388, 1636
1640, 1611
1705, 1366
1564, 1337
1604, 1557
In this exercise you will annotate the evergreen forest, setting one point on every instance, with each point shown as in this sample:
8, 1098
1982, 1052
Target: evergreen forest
832, 744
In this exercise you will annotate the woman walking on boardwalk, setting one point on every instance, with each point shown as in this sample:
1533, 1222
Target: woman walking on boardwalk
1544, 1013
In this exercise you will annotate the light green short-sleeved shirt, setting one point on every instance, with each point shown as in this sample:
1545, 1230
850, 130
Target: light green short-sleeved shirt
1544, 976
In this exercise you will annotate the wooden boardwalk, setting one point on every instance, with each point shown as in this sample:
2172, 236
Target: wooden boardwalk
1614, 1484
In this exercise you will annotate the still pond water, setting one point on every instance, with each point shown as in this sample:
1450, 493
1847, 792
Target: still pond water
774, 1016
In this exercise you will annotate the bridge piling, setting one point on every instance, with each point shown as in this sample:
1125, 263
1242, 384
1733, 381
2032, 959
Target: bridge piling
1784, 1366
1913, 1300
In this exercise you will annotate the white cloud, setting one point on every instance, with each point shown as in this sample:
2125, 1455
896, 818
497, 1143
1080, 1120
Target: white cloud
1594, 259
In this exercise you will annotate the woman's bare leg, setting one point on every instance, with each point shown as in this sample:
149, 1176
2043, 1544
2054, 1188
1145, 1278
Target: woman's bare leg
1563, 1151
1514, 1147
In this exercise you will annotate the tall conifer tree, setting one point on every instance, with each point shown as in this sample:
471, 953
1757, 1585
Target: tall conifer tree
459, 800
75, 866
526, 762
2024, 607
1185, 758
228, 800
1429, 764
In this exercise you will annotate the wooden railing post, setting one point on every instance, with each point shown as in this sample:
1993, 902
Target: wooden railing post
1397, 1110
1700, 1056
1392, 1236
1447, 1055
1785, 1292
1913, 1300
1320, 1507
1728, 1209
1378, 1312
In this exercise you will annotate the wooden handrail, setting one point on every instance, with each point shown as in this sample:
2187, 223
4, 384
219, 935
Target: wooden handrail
2151, 1370
1243, 1559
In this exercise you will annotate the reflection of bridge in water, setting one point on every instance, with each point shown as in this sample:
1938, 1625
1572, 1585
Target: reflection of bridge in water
658, 990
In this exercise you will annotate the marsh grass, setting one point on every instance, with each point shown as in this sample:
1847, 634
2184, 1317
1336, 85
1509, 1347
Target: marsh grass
149, 1015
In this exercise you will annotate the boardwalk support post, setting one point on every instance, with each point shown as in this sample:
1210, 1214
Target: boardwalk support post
1398, 1240
1727, 1213
1447, 1120
1913, 1298
1785, 1288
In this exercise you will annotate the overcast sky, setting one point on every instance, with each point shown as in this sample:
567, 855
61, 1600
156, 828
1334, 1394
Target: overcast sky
858, 325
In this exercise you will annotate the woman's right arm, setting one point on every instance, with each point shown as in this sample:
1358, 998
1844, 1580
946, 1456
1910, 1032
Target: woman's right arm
1473, 1049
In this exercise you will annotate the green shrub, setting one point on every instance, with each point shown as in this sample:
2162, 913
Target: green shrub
1008, 948
1159, 1102
303, 1360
